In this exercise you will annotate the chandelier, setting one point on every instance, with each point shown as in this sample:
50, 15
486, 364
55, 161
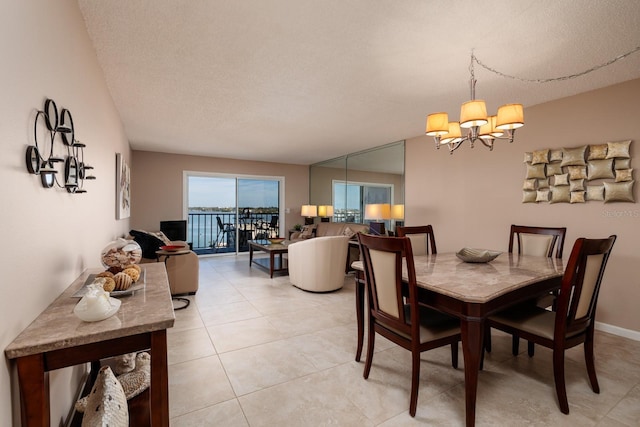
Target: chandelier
473, 116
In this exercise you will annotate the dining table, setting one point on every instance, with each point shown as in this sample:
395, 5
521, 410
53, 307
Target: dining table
472, 292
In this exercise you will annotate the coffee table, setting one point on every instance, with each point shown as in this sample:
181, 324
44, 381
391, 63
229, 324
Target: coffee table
273, 263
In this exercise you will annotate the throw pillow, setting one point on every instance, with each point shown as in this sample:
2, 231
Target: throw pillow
577, 172
540, 156
622, 164
555, 155
529, 184
618, 192
106, 404
597, 152
160, 235
148, 243
536, 171
542, 183
573, 156
560, 194
349, 232
623, 175
618, 149
561, 179
307, 231
529, 196
577, 197
595, 192
542, 195
598, 169
554, 169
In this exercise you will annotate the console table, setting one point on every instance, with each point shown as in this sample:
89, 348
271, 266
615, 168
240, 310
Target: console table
58, 339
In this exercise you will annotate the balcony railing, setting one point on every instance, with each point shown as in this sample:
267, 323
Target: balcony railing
218, 232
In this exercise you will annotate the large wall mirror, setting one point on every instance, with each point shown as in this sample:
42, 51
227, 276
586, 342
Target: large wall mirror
350, 183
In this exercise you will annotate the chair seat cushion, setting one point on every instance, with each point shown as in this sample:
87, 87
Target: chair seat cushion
433, 324
528, 318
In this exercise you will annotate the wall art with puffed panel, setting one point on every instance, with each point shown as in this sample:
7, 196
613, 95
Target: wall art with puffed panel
577, 175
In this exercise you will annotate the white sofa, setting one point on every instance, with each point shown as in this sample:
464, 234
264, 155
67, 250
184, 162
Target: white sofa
317, 264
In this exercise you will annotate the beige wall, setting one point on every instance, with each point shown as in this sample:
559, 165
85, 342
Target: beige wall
157, 184
472, 196
50, 236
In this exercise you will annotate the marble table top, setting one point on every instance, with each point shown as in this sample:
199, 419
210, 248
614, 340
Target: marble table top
480, 282
146, 310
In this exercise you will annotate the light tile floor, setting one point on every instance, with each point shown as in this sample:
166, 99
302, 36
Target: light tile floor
254, 351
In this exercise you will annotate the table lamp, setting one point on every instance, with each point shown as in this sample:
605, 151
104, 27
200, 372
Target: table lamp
325, 212
397, 214
378, 212
309, 212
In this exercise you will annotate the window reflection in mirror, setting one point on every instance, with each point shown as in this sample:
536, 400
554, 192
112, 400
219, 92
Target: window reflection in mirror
350, 182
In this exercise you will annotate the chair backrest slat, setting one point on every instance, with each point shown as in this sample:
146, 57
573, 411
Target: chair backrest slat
576, 306
537, 241
421, 238
383, 259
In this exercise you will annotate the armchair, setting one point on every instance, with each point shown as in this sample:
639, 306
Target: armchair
183, 270
317, 265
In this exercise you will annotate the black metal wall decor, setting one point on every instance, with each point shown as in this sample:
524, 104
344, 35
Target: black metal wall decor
41, 159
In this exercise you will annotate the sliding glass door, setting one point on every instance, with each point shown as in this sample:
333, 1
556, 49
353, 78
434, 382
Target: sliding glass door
224, 212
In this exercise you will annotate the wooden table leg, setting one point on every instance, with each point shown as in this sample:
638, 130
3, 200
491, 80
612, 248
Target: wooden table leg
159, 379
34, 391
359, 313
271, 262
472, 336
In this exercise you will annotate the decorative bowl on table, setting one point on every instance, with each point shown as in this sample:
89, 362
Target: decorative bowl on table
276, 240
172, 248
121, 253
477, 255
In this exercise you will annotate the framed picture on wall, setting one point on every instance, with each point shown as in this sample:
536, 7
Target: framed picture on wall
123, 188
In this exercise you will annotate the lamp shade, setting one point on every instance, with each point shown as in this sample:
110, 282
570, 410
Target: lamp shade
454, 135
510, 116
377, 211
488, 130
309, 210
473, 113
325, 210
437, 124
397, 212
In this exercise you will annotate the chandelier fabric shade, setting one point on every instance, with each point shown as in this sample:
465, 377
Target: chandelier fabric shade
437, 124
473, 113
510, 116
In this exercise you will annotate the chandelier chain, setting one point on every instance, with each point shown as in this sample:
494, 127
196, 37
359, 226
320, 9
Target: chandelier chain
552, 79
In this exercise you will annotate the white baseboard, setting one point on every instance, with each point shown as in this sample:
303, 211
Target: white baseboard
616, 330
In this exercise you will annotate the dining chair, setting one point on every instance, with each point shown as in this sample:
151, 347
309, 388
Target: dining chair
573, 321
225, 229
536, 241
421, 237
407, 324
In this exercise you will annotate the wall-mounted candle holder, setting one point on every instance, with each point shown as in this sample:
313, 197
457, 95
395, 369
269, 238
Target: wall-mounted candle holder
75, 169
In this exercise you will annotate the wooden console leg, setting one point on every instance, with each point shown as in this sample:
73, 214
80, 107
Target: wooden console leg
34, 391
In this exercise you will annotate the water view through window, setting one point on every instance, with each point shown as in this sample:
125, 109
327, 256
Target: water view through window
225, 212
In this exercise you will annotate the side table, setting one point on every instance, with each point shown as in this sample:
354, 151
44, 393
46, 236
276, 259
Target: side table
162, 255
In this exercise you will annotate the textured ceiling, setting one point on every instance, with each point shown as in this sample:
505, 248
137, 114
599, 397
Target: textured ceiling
301, 81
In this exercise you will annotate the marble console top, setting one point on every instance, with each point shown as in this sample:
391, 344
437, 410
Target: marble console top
57, 327
469, 282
